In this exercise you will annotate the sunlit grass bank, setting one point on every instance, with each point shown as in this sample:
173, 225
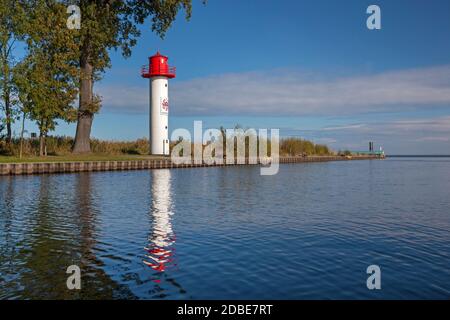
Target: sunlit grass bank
75, 158
59, 149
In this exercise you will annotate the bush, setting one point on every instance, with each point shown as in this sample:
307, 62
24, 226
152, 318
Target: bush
139, 146
300, 147
5, 149
62, 145
345, 153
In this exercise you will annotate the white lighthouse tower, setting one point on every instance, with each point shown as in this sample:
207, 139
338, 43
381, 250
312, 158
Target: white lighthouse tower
159, 72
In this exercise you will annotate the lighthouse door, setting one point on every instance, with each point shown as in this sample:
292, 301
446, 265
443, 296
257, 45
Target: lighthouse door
166, 147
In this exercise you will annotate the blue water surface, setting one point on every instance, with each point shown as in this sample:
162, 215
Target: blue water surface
309, 232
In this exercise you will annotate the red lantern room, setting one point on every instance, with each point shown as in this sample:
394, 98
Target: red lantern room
158, 66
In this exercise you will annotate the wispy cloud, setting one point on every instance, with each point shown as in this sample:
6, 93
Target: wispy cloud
439, 139
124, 99
431, 127
427, 135
328, 141
294, 93
438, 125
345, 127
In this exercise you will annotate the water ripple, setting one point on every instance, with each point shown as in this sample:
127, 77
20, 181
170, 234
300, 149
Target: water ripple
308, 232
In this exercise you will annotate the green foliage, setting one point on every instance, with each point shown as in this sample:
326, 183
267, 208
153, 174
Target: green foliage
113, 24
107, 25
345, 153
62, 145
321, 150
288, 146
140, 146
11, 16
59, 60
5, 148
47, 77
298, 147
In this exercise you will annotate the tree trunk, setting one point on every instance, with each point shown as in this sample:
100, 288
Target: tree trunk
85, 116
8, 117
42, 144
7, 94
21, 135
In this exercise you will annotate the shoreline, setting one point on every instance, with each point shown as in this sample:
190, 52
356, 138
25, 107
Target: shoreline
33, 168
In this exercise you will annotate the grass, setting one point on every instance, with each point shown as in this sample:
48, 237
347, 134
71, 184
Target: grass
59, 150
62, 146
76, 158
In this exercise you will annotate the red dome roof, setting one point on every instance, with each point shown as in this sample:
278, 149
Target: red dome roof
158, 66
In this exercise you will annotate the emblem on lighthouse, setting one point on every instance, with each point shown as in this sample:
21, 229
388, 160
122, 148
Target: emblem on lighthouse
164, 106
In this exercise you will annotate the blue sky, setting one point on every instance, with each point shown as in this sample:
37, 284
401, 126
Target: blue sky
310, 68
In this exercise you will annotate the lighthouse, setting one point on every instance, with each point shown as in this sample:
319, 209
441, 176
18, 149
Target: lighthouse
159, 72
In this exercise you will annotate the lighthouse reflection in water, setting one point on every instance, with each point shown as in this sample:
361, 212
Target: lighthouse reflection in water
160, 250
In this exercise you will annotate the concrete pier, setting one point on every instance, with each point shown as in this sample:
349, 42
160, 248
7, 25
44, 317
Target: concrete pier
165, 163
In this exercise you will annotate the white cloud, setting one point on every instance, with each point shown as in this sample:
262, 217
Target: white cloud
345, 127
438, 125
433, 126
327, 141
277, 93
429, 135
128, 99
439, 139
294, 94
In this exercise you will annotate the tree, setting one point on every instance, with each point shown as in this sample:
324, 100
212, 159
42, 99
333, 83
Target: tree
47, 78
2, 127
11, 14
321, 150
112, 24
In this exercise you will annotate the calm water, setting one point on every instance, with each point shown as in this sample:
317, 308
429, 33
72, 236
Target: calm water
308, 232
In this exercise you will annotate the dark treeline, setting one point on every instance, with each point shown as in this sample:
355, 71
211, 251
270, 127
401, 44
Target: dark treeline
292, 146
61, 146
297, 147
50, 59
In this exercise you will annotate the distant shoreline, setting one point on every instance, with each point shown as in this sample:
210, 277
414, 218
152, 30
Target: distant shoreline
27, 168
418, 156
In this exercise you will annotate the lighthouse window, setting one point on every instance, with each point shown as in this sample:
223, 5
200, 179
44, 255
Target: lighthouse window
166, 85
166, 127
